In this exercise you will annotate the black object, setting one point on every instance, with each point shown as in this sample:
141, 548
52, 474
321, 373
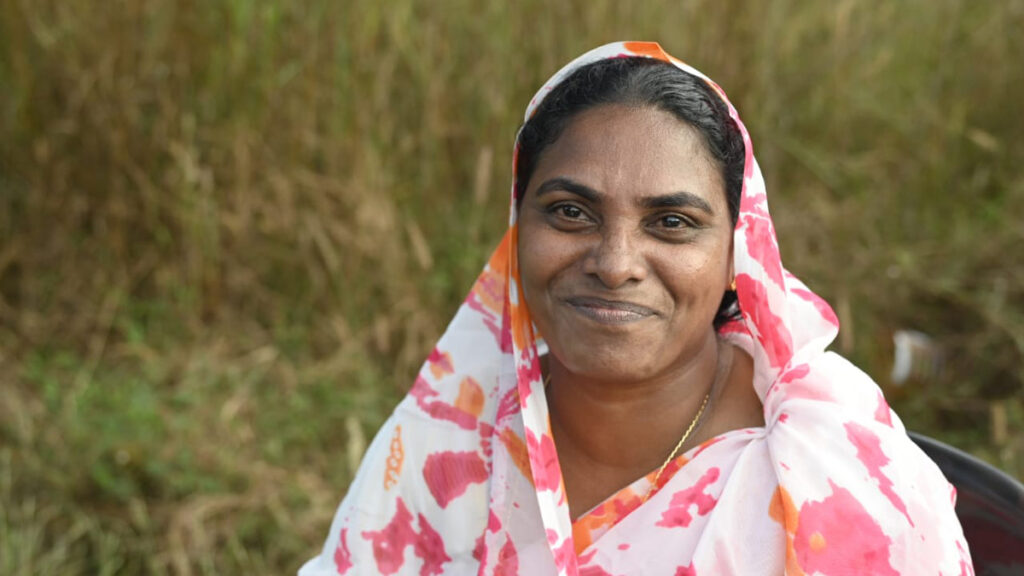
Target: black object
989, 504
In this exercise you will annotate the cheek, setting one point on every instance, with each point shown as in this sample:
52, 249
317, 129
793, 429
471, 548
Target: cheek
539, 259
700, 276
546, 268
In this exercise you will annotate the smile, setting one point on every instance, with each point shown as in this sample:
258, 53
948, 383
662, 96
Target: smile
609, 311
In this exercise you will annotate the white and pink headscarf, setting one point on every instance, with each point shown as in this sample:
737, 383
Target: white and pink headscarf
464, 478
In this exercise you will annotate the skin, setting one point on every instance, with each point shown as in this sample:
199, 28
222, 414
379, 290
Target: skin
625, 251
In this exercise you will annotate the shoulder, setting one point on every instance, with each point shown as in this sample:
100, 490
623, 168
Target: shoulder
422, 485
840, 452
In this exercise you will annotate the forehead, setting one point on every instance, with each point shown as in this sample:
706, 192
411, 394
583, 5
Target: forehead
626, 151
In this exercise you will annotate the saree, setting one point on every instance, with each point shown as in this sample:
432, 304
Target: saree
464, 477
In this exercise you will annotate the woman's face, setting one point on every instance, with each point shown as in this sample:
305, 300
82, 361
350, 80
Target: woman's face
625, 244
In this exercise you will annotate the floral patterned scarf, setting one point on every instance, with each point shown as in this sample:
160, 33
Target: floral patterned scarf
464, 478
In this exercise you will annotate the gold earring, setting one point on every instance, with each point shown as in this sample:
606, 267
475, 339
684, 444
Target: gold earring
733, 285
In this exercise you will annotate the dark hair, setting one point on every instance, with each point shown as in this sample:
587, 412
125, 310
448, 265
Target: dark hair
639, 81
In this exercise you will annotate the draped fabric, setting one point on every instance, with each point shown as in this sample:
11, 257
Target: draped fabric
463, 478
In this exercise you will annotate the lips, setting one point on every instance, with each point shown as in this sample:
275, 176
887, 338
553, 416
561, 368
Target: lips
609, 311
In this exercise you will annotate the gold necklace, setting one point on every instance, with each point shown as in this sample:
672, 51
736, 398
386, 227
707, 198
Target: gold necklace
689, 429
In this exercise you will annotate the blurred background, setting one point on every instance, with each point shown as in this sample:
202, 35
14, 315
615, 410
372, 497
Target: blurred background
230, 231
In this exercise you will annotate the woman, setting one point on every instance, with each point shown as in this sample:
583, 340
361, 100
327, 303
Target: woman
635, 384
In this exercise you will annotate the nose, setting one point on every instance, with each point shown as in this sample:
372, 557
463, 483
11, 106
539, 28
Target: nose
616, 260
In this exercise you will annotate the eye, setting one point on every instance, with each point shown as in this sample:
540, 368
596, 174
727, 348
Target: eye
570, 211
569, 216
675, 221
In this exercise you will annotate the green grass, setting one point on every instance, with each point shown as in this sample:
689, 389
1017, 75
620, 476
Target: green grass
230, 232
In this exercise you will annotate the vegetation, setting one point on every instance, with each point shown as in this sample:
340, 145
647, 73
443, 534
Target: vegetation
230, 231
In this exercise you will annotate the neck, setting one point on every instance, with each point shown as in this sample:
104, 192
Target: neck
628, 427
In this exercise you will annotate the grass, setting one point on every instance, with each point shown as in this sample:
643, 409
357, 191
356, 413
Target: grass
230, 231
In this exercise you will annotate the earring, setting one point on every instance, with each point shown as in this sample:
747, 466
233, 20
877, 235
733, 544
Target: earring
732, 286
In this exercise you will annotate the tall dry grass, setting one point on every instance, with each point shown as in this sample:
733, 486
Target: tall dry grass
229, 232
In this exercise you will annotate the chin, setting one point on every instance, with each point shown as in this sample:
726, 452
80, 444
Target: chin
607, 362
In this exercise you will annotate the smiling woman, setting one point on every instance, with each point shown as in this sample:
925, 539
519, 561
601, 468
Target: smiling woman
635, 384
625, 237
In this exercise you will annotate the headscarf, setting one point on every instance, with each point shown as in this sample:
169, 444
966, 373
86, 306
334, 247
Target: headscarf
464, 477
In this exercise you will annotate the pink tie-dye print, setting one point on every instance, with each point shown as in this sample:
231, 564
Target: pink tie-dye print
543, 461
449, 474
424, 395
342, 557
869, 451
678, 513
839, 536
686, 571
831, 485
389, 543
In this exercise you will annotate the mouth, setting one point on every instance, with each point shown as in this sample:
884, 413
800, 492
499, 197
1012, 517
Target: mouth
611, 312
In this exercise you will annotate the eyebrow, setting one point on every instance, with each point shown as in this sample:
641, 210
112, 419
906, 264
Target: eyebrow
570, 186
680, 199
677, 200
